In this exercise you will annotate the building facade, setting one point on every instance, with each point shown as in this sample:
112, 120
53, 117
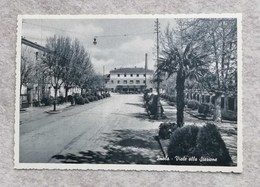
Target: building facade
129, 80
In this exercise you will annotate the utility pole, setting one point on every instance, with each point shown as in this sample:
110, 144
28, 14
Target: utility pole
145, 70
158, 114
104, 78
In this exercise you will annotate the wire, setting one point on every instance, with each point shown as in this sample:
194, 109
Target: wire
96, 36
119, 35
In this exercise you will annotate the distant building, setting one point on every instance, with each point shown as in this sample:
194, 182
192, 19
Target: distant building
129, 79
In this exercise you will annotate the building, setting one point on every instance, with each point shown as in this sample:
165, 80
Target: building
129, 80
35, 83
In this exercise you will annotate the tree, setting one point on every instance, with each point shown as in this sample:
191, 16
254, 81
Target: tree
187, 64
27, 67
95, 81
84, 68
217, 38
57, 60
169, 85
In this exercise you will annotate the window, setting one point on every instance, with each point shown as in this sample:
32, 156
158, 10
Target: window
112, 81
131, 82
125, 75
125, 81
118, 75
137, 81
118, 82
144, 81
131, 75
137, 75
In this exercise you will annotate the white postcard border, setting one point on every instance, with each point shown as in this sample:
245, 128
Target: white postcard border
235, 169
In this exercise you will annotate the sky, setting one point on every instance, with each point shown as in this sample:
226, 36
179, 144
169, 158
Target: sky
120, 42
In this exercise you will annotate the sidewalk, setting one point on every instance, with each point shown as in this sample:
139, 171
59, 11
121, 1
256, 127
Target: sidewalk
36, 113
228, 129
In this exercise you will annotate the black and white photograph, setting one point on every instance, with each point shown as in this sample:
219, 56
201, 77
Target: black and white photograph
136, 92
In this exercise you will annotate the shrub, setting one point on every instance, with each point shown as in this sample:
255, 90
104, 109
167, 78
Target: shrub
69, 98
146, 97
229, 115
60, 100
99, 97
79, 100
183, 143
206, 109
36, 103
151, 105
90, 98
193, 104
172, 99
47, 101
95, 98
86, 100
211, 145
199, 142
166, 129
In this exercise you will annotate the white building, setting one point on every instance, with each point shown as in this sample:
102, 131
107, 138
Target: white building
129, 80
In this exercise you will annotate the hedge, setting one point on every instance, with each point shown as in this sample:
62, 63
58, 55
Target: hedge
199, 142
79, 100
47, 101
193, 104
206, 109
166, 129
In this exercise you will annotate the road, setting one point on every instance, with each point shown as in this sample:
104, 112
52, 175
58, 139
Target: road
92, 126
112, 130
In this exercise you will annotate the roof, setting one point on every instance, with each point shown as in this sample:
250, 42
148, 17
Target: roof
131, 70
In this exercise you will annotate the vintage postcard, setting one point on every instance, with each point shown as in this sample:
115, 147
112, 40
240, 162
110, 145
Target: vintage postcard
135, 92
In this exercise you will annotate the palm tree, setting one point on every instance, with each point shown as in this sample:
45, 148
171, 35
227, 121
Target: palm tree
187, 64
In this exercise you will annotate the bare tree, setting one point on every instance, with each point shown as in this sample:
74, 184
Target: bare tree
57, 59
27, 67
84, 68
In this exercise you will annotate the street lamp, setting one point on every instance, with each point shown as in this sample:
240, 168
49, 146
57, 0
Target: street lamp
95, 41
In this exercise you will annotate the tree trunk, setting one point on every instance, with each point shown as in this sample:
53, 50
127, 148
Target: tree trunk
81, 91
180, 97
55, 97
217, 113
66, 93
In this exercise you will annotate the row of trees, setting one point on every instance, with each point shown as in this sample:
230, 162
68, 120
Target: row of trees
65, 63
201, 54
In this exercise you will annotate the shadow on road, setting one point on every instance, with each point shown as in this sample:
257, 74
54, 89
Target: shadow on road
124, 147
136, 104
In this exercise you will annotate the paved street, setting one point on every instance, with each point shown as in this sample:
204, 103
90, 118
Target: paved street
80, 128
112, 130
